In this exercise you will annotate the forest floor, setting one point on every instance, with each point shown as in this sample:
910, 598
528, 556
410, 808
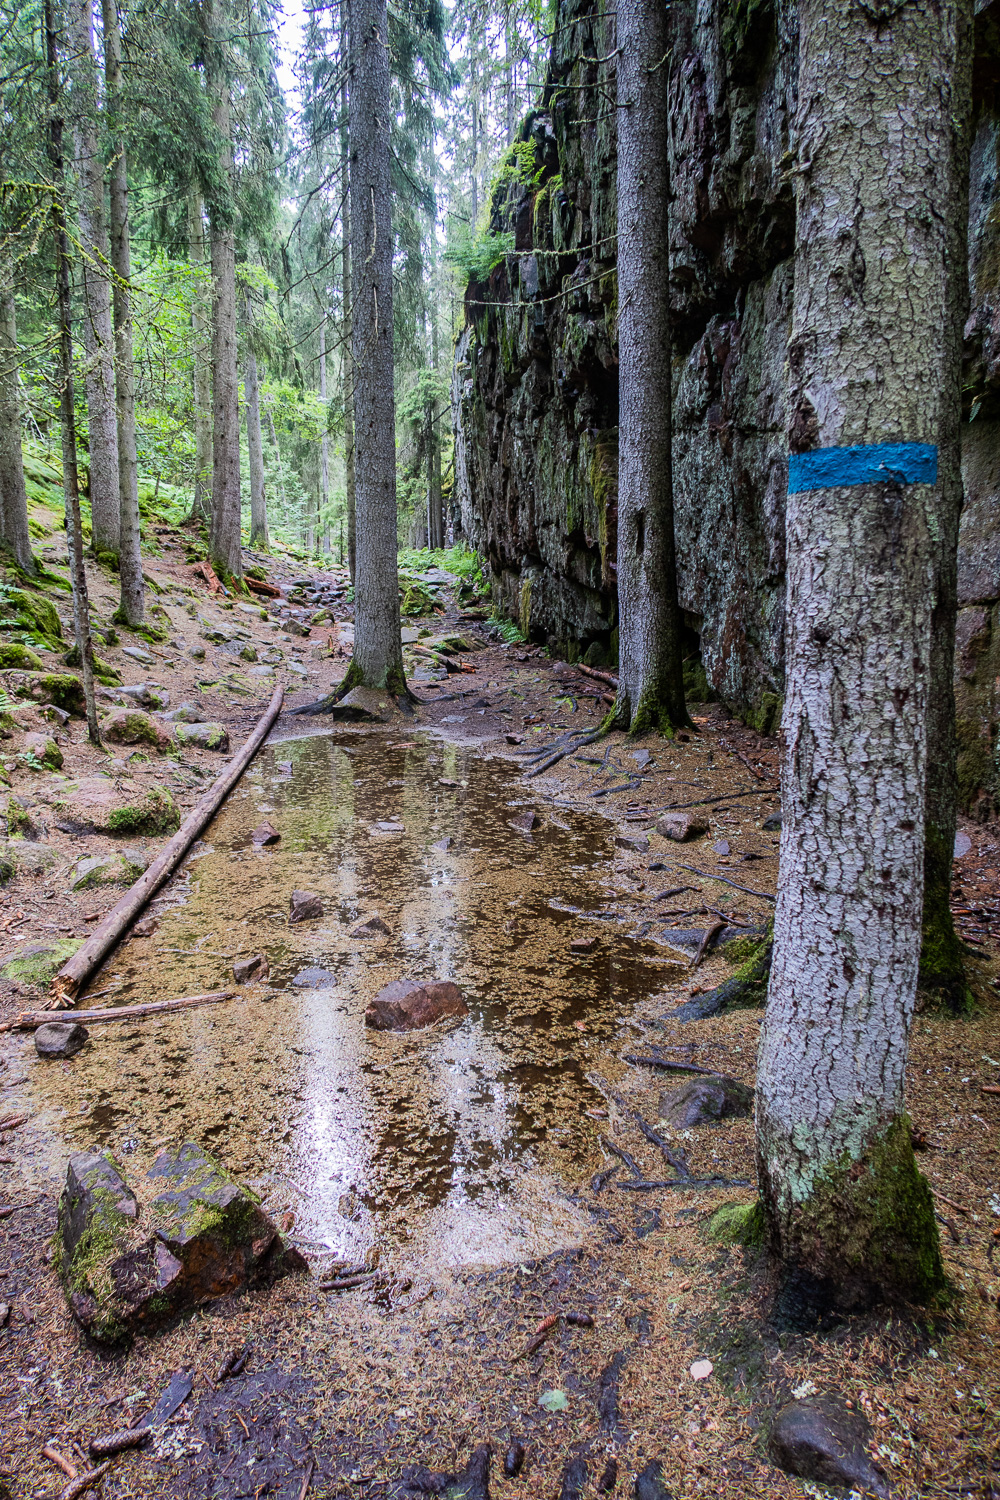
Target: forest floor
344, 1390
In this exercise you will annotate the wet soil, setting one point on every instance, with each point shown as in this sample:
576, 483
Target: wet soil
467, 1160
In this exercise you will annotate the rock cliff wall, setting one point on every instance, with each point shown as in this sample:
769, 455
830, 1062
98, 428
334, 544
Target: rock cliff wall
536, 392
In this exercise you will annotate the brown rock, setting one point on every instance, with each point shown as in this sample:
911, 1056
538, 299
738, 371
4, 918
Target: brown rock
369, 927
681, 826
249, 970
635, 841
818, 1438
525, 821
264, 833
407, 1004
304, 905
583, 945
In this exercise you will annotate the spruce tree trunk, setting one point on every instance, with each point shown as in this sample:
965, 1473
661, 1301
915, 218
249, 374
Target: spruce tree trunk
350, 479
942, 971
98, 334
255, 452
224, 527
14, 534
875, 370
378, 653
650, 671
132, 607
201, 505
324, 446
67, 416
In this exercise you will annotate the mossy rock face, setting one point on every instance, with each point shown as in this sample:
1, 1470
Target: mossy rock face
20, 658
156, 812
106, 869
40, 751
766, 716
108, 560
738, 1224
60, 688
207, 736
19, 857
39, 963
106, 674
201, 1237
31, 612
130, 726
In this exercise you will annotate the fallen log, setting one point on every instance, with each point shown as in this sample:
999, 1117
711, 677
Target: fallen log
29, 1019
593, 672
74, 974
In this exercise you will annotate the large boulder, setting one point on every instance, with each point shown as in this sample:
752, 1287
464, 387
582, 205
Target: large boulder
130, 726
25, 857
107, 869
61, 688
704, 1101
818, 1438
201, 1236
406, 1004
99, 804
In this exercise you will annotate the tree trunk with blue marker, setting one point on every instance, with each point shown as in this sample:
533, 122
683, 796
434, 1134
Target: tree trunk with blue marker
874, 367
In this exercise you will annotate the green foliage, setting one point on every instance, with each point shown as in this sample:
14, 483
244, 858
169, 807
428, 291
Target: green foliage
508, 630
476, 257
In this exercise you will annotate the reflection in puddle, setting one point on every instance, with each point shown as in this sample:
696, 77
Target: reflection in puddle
458, 1141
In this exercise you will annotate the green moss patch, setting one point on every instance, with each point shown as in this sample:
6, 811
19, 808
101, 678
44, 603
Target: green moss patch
19, 658
39, 963
738, 1224
156, 812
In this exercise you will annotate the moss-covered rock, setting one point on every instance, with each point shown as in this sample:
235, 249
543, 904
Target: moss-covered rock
100, 804
738, 1224
207, 736
39, 963
41, 752
201, 1237
22, 658
61, 688
154, 812
27, 610
130, 726
107, 869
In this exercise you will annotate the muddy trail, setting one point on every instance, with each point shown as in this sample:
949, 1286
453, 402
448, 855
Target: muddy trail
523, 1285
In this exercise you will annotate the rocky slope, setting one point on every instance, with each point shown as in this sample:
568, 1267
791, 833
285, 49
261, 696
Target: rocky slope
535, 390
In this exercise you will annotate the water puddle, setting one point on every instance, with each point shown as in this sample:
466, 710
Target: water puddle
458, 1143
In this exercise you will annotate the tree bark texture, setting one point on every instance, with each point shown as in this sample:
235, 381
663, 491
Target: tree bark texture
132, 607
651, 691
98, 333
346, 338
224, 527
378, 654
201, 328
14, 534
67, 415
255, 453
942, 971
324, 446
875, 372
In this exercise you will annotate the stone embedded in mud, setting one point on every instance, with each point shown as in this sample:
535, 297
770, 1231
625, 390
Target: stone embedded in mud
60, 1038
819, 1439
369, 927
473, 1483
704, 1101
201, 1237
314, 979
525, 822
407, 1004
772, 824
205, 736
250, 970
265, 833
111, 869
681, 826
635, 841
363, 704
304, 906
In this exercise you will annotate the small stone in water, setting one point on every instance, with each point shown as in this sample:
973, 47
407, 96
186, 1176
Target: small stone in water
370, 927
513, 1459
60, 1038
265, 833
247, 970
304, 905
524, 822
583, 945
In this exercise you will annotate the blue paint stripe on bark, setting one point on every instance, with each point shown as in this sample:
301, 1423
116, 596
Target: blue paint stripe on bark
875, 463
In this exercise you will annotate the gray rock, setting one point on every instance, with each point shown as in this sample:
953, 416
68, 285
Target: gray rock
60, 1038
146, 694
704, 1101
304, 906
136, 653
251, 970
682, 827
265, 833
197, 653
364, 705
819, 1439
184, 713
637, 842
207, 736
314, 979
772, 823
406, 1005
525, 822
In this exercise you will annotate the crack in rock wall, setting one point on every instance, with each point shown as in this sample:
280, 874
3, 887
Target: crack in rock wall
535, 389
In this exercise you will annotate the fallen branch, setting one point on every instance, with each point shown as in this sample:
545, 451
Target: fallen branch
687, 1182
60, 1461
950, 1201
708, 938
561, 755
724, 879
307, 1476
347, 1283
743, 760
74, 974
29, 1019
668, 1067
15, 1208
757, 791
654, 1138
593, 672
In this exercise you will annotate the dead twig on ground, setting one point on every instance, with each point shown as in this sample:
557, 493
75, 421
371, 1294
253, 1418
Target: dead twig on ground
667, 1067
61, 1462
708, 938
725, 880
28, 1019
622, 1155
686, 1182
307, 1478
